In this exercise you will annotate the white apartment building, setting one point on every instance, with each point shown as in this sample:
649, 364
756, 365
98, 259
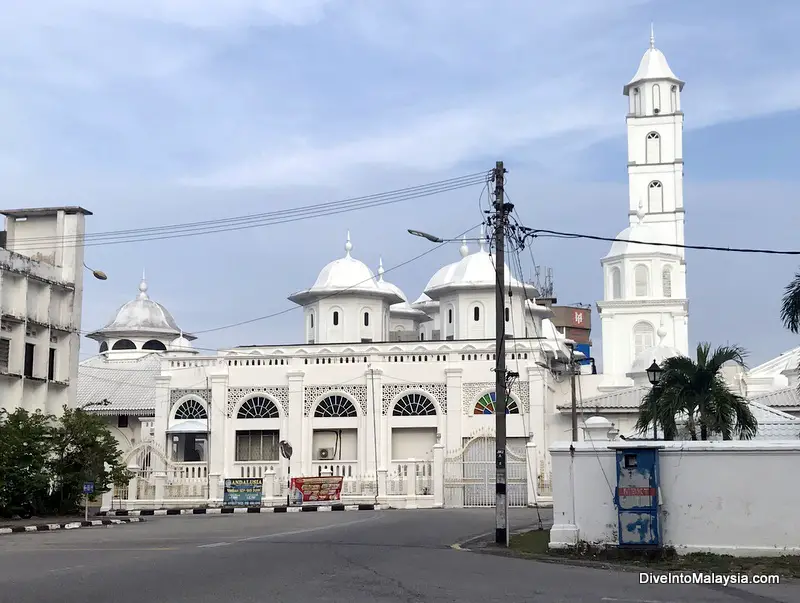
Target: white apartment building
41, 294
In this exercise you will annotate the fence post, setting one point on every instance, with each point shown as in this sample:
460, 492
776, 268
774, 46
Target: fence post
438, 474
411, 484
532, 469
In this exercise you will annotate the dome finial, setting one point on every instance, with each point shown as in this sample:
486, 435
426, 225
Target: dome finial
464, 249
640, 213
143, 287
483, 237
380, 268
348, 245
652, 37
662, 332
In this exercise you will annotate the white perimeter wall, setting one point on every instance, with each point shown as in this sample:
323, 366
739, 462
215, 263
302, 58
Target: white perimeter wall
735, 498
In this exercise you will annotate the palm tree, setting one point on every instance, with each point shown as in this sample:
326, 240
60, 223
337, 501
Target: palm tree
697, 389
790, 308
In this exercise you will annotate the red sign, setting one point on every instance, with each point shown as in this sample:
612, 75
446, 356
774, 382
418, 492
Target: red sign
637, 491
578, 318
316, 489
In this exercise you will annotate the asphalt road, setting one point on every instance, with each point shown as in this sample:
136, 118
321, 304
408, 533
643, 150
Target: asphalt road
352, 557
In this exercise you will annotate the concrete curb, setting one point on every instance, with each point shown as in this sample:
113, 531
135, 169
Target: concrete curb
229, 510
72, 525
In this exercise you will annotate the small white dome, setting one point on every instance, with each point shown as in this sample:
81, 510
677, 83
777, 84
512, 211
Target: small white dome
181, 344
659, 354
475, 271
640, 232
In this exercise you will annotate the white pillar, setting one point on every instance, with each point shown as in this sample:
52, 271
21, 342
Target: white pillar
537, 385
217, 415
438, 472
532, 460
596, 429
160, 424
451, 435
374, 439
300, 441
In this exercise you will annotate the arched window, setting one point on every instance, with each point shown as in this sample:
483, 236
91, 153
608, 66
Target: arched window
673, 99
422, 336
656, 99
655, 197
508, 314
637, 102
191, 409
414, 405
154, 345
643, 337
335, 318
335, 406
450, 315
366, 319
616, 283
476, 313
641, 278
652, 152
486, 405
123, 344
258, 407
311, 320
666, 281
103, 347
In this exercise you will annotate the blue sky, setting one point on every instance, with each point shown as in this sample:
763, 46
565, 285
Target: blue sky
162, 111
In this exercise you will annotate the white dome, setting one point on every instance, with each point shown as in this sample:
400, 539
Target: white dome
389, 287
181, 344
653, 66
349, 274
659, 354
640, 232
140, 317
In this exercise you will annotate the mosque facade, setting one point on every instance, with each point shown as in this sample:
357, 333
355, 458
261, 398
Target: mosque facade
397, 397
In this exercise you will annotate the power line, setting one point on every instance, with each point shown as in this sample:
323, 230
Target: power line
187, 229
541, 232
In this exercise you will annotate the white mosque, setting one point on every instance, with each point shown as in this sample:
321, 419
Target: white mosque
397, 397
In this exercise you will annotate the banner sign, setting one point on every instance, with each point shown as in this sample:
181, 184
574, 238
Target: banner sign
243, 492
316, 489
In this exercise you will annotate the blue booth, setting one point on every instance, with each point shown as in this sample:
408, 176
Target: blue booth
637, 497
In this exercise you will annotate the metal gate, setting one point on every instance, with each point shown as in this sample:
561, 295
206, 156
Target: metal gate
469, 475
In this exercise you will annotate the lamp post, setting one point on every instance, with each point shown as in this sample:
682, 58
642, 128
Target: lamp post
654, 377
98, 274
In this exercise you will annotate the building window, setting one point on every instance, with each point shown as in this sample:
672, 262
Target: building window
643, 337
311, 320
191, 409
123, 344
486, 405
258, 407
666, 281
154, 345
476, 314
122, 421
256, 445
652, 152
366, 319
51, 365
656, 99
29, 355
103, 347
655, 197
5, 349
637, 102
189, 447
673, 99
414, 405
335, 406
422, 336
335, 318
641, 279
616, 283
508, 314
450, 315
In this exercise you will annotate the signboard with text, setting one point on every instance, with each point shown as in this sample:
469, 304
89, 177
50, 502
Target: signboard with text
243, 492
316, 489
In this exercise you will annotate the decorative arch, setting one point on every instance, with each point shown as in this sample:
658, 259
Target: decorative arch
335, 405
104, 347
414, 403
145, 450
652, 151
616, 283
644, 335
154, 345
641, 281
190, 407
123, 344
258, 406
486, 404
655, 197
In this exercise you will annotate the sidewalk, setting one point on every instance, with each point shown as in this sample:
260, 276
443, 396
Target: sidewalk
31, 526
227, 510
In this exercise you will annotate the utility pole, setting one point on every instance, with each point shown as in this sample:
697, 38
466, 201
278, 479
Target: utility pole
574, 395
501, 211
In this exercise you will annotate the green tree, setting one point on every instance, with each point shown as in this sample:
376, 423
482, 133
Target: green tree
24, 457
790, 308
83, 451
696, 390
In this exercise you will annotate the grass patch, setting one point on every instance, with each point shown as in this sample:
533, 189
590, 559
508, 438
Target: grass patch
534, 544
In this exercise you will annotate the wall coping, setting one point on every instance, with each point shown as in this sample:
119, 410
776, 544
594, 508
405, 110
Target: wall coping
740, 446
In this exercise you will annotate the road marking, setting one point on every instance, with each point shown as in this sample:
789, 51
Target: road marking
93, 550
308, 530
215, 544
632, 600
456, 547
66, 569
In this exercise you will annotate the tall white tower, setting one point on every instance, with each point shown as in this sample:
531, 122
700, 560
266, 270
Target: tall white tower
645, 284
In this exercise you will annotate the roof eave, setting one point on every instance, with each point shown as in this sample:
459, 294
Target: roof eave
633, 83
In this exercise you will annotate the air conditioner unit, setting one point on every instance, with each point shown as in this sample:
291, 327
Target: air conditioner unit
325, 453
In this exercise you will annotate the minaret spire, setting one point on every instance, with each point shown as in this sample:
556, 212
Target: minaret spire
652, 37
348, 245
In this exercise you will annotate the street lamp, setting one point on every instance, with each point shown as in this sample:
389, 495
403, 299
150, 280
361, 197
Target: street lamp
654, 377
98, 274
425, 235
